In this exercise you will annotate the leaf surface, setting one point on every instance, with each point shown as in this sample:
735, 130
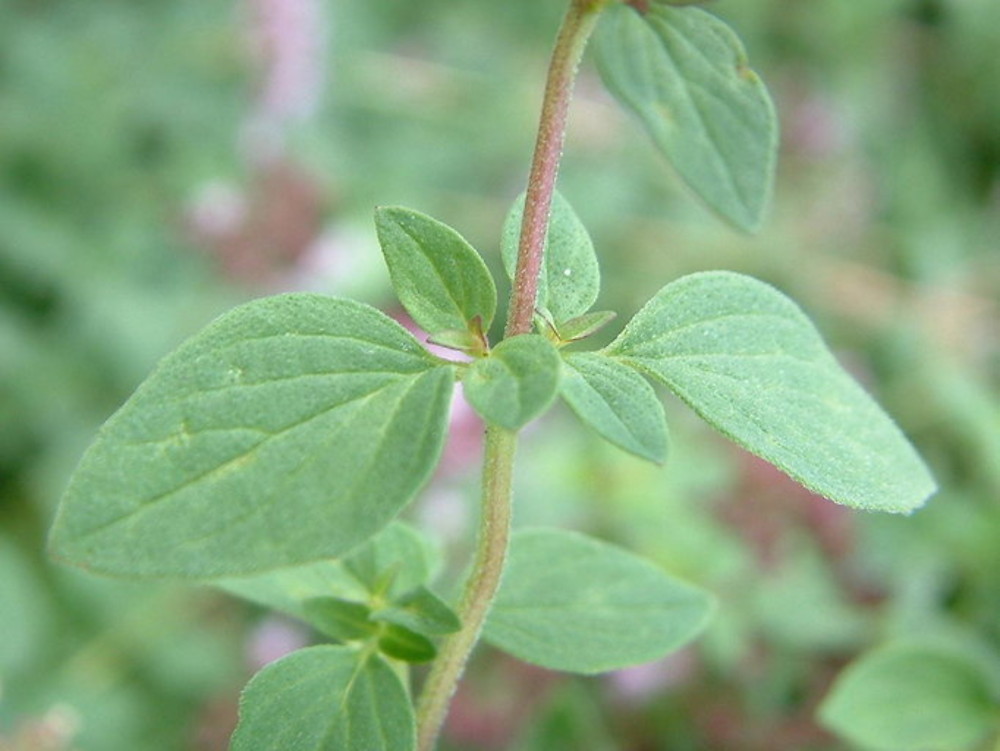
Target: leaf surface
325, 698
570, 602
909, 696
516, 382
440, 279
571, 279
747, 359
684, 73
617, 402
399, 551
262, 442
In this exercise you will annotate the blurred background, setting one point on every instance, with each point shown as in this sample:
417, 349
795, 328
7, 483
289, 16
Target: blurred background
163, 161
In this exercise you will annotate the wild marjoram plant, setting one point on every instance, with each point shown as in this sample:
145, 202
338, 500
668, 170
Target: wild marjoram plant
271, 453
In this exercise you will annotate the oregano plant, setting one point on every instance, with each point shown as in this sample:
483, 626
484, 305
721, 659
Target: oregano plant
271, 454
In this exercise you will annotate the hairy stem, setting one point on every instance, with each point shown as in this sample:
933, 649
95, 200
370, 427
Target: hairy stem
573, 35
498, 468
494, 532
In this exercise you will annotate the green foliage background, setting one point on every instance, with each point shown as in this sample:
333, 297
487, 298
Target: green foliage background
126, 151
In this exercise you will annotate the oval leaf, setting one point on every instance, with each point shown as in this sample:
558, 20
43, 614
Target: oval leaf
910, 697
747, 359
685, 74
440, 279
571, 279
617, 402
325, 698
516, 382
261, 442
570, 602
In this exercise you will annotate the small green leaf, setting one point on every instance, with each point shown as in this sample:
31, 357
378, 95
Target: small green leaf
262, 442
571, 279
422, 611
617, 402
516, 382
685, 74
570, 602
339, 619
583, 326
909, 696
400, 552
403, 644
325, 698
399, 548
747, 359
440, 279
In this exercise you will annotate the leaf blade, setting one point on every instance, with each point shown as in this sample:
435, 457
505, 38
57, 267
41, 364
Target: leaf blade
325, 698
571, 278
750, 362
569, 602
516, 382
441, 280
910, 696
684, 73
617, 402
249, 429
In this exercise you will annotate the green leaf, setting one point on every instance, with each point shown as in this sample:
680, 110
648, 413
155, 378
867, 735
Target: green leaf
583, 326
571, 279
440, 279
685, 74
288, 589
399, 549
262, 442
325, 698
400, 556
422, 611
617, 402
339, 619
909, 696
570, 602
747, 359
516, 382
405, 645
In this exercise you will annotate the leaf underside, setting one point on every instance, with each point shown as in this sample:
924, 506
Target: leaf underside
262, 442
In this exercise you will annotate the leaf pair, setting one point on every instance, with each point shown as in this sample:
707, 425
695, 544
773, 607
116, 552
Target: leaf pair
375, 594
377, 602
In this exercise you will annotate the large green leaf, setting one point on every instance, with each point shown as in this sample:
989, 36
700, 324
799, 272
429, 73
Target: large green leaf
440, 279
570, 602
289, 430
570, 279
325, 698
910, 696
617, 402
685, 74
516, 382
748, 360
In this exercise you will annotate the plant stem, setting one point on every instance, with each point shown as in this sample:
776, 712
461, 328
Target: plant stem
573, 35
494, 532
498, 463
